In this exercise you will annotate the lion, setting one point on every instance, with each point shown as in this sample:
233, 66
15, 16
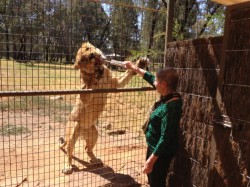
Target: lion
89, 106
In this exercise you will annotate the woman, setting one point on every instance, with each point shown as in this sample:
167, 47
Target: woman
162, 127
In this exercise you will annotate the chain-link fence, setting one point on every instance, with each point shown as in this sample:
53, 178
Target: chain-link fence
41, 91
40, 87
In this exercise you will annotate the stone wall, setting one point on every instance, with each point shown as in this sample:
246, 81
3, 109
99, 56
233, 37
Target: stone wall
215, 131
198, 64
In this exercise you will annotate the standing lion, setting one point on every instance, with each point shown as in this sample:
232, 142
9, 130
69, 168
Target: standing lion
89, 106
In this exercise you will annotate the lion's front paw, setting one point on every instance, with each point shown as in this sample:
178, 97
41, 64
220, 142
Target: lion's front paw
142, 63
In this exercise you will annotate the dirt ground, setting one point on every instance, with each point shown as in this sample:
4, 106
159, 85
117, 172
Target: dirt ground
34, 158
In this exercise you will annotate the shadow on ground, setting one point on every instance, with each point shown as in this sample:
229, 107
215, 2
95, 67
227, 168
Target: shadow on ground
105, 172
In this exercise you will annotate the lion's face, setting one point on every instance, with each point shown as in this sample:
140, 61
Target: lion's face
88, 58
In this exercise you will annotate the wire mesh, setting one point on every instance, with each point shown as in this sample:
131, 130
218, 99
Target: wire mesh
32, 125
39, 88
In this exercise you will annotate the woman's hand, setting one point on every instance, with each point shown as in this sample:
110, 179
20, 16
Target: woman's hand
129, 65
148, 166
136, 70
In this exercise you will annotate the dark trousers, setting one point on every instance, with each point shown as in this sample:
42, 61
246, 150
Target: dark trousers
157, 178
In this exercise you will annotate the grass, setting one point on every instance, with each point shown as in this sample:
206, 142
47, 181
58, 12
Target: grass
25, 103
35, 76
15, 76
38, 106
8, 130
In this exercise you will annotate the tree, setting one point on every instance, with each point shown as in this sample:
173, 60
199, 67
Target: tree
53, 30
124, 27
93, 23
153, 24
193, 18
21, 27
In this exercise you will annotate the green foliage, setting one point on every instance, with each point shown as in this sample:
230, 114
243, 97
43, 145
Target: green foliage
38, 105
177, 35
3, 106
196, 18
27, 102
216, 23
94, 22
52, 31
8, 130
136, 54
124, 27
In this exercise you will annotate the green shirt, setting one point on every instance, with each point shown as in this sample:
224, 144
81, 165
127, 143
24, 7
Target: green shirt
163, 127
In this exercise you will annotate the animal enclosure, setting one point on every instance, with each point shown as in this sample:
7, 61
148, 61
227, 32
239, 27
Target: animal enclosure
39, 88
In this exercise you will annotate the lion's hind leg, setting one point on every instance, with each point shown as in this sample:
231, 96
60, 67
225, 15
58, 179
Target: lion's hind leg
72, 134
90, 136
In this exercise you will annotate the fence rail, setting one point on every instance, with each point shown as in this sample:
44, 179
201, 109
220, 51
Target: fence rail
68, 92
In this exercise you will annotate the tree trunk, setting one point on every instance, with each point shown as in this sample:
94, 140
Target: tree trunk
22, 51
7, 43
